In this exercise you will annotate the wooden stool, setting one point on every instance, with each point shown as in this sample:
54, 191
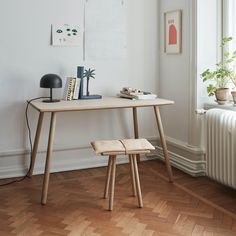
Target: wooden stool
130, 147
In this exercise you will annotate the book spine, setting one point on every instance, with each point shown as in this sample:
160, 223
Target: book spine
71, 89
66, 89
76, 90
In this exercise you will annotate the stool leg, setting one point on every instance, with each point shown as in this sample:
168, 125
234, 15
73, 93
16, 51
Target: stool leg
140, 201
112, 187
132, 175
108, 177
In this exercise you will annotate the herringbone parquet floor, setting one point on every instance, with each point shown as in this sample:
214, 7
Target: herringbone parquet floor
190, 206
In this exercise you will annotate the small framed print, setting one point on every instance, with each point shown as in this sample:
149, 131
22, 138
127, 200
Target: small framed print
173, 31
65, 35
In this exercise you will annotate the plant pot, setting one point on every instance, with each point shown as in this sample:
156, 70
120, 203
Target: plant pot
234, 96
222, 95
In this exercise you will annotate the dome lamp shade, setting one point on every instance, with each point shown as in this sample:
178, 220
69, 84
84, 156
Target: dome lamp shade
51, 81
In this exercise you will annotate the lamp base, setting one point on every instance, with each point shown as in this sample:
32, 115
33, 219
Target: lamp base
51, 100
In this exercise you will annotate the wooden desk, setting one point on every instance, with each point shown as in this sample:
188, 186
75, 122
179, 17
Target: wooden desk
84, 105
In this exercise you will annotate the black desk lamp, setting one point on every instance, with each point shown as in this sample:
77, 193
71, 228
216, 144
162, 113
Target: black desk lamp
51, 81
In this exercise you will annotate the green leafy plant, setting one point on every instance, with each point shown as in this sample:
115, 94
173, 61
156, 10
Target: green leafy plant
233, 79
89, 74
223, 72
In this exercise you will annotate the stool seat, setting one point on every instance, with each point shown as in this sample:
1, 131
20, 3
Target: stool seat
108, 147
112, 148
123, 146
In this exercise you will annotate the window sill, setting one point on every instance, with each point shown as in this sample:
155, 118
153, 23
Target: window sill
228, 106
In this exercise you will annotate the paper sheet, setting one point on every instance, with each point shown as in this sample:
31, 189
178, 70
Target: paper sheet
105, 29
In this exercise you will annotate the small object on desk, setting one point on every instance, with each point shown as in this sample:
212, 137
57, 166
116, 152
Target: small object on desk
69, 91
89, 74
145, 93
136, 94
129, 90
51, 81
94, 96
120, 95
76, 89
82, 75
138, 97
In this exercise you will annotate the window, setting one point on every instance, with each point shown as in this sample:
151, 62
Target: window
209, 21
229, 19
216, 19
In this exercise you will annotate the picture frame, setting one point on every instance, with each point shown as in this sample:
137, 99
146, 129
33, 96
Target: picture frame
173, 32
65, 35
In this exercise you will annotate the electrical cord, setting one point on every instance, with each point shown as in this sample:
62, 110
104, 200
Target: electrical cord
30, 140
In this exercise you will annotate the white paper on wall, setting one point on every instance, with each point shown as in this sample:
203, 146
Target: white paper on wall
105, 45
66, 35
105, 29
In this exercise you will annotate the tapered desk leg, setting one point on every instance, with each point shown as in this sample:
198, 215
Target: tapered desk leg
135, 118
163, 142
36, 143
48, 158
136, 133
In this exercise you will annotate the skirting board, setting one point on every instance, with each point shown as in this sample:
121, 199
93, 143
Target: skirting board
190, 160
15, 163
64, 159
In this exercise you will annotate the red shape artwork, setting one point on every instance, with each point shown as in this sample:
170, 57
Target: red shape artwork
172, 35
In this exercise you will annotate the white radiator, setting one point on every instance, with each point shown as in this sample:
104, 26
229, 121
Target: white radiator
221, 146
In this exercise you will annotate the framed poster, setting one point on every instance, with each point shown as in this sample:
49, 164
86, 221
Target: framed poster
173, 31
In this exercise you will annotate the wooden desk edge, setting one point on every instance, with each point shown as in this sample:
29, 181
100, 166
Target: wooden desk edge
108, 104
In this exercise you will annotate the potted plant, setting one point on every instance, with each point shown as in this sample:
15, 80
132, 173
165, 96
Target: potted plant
224, 71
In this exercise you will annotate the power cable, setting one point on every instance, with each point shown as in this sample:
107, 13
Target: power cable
30, 141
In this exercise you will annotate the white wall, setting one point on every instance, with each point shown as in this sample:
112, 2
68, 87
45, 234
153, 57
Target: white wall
178, 82
175, 74
26, 55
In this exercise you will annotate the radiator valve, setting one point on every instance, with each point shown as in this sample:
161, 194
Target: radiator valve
200, 111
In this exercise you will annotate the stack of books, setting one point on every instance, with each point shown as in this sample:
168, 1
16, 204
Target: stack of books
135, 94
72, 87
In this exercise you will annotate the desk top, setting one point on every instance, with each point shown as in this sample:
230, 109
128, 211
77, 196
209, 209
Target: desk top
96, 104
